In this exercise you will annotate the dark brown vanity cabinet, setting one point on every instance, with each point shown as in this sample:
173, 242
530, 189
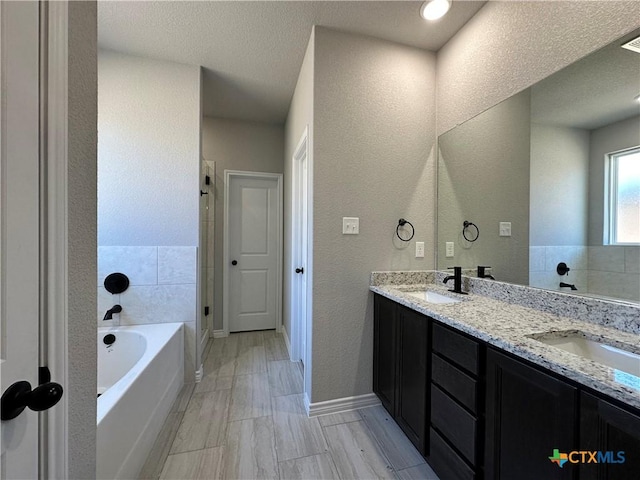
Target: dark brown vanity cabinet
613, 431
528, 414
400, 366
455, 423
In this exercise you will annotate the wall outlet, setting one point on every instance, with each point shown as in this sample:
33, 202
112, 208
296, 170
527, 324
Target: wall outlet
419, 249
350, 225
449, 250
505, 229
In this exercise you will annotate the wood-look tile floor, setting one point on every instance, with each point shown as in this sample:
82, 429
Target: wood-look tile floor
246, 420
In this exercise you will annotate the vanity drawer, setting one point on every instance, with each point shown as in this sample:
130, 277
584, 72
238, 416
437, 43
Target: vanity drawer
456, 424
445, 461
458, 384
456, 347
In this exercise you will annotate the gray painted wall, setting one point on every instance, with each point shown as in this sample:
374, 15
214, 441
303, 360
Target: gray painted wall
559, 185
148, 155
237, 145
483, 177
80, 393
374, 133
300, 116
614, 137
508, 46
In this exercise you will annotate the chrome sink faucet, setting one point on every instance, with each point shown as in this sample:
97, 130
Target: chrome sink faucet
457, 280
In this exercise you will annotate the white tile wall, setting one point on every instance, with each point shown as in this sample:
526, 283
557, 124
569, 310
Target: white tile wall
609, 258
612, 271
140, 264
162, 289
177, 265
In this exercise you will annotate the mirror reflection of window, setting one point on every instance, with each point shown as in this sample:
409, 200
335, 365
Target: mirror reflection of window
624, 198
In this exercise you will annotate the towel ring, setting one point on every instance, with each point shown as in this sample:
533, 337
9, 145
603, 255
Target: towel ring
466, 225
401, 223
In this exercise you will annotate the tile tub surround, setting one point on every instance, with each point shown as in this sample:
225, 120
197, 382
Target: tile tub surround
508, 325
162, 289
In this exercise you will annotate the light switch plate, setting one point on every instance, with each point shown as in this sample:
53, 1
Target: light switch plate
419, 249
449, 250
505, 229
350, 225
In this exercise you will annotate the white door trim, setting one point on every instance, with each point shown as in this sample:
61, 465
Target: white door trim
296, 352
228, 174
58, 418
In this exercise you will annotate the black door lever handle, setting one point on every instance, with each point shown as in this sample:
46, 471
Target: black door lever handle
300, 270
20, 396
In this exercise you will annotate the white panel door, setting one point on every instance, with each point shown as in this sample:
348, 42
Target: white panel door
253, 252
19, 229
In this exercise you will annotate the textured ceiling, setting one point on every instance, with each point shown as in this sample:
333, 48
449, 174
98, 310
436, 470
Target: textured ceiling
252, 51
592, 92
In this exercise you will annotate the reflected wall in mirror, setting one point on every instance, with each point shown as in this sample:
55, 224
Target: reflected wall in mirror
541, 161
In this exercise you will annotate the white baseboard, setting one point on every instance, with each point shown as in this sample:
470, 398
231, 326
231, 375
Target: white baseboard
340, 405
286, 341
220, 334
199, 373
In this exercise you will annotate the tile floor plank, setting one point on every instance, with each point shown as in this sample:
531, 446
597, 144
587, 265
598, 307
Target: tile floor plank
296, 434
356, 453
315, 467
211, 383
275, 348
250, 450
204, 422
336, 418
152, 468
198, 465
397, 447
222, 366
250, 397
251, 360
420, 472
181, 402
284, 378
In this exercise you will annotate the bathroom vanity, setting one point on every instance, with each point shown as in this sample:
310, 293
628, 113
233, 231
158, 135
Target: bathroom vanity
485, 385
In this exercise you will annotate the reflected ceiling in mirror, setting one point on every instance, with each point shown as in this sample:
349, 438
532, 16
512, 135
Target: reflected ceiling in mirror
537, 161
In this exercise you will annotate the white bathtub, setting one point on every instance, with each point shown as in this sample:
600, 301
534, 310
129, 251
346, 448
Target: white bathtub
139, 377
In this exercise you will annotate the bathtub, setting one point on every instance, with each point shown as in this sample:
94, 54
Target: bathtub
139, 377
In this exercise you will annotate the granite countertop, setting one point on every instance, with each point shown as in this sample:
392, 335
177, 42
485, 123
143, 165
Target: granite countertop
509, 326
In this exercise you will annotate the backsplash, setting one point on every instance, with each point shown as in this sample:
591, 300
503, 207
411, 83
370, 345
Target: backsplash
610, 271
162, 289
623, 316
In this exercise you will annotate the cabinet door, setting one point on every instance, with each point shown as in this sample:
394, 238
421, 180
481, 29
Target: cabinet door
609, 429
413, 379
528, 415
385, 347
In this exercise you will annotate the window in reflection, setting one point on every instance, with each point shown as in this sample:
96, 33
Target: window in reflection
624, 187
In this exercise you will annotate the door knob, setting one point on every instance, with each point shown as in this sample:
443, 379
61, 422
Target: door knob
300, 270
234, 262
20, 396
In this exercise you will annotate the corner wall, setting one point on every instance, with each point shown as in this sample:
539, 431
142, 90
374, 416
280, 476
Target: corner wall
373, 158
80, 344
300, 116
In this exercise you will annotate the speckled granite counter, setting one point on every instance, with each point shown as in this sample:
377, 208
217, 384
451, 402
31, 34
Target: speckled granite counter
509, 325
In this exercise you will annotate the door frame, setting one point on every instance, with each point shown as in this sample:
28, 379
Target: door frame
228, 176
299, 324
56, 453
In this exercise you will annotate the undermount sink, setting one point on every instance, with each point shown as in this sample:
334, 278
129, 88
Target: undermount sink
433, 297
597, 351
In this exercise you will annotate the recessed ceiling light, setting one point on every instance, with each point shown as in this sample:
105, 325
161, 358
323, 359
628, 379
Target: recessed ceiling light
435, 9
637, 98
